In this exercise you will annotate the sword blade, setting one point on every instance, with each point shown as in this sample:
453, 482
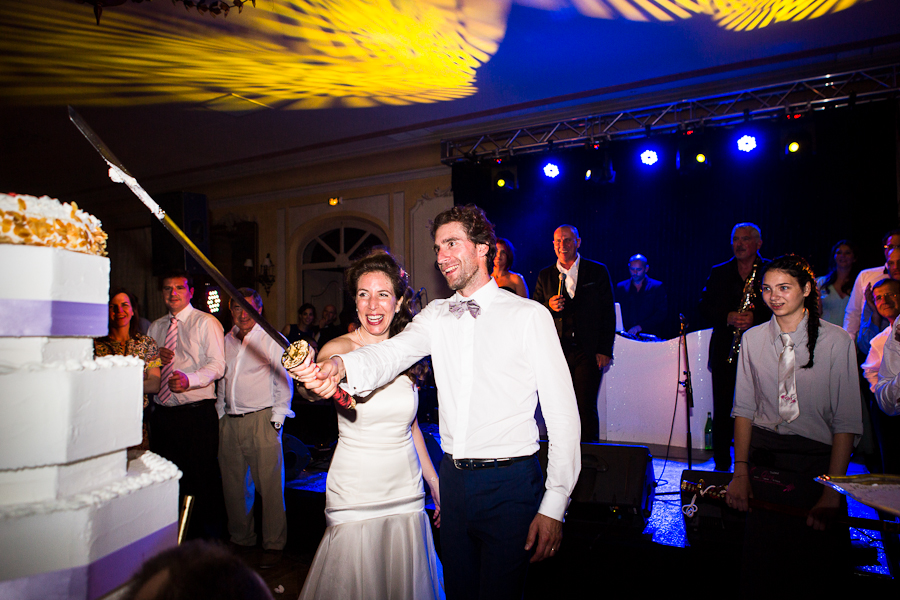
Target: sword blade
170, 225
95, 140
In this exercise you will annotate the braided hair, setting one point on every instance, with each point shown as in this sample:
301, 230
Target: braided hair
798, 268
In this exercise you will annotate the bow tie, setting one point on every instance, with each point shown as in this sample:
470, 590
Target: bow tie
457, 308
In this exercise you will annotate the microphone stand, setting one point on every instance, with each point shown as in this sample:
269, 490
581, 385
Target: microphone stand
686, 383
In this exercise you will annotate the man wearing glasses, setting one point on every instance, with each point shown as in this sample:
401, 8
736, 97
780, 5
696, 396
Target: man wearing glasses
858, 309
578, 293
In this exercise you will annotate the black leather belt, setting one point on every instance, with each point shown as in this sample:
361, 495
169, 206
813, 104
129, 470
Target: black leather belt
189, 405
252, 412
487, 463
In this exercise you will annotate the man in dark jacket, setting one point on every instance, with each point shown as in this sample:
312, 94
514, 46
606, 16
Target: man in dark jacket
578, 293
722, 305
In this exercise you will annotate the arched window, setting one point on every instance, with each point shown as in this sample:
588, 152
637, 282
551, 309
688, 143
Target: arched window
325, 257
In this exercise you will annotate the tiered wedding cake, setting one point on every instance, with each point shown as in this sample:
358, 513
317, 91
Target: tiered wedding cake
76, 518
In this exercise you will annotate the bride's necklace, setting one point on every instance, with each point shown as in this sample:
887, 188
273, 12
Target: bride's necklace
359, 336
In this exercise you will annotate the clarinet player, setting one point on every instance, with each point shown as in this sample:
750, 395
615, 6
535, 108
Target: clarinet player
731, 305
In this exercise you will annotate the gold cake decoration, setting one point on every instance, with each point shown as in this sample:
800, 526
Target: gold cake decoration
48, 222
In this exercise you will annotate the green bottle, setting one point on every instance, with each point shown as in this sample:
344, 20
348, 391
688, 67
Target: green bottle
707, 432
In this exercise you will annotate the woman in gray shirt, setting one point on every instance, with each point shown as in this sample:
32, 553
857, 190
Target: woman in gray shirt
797, 415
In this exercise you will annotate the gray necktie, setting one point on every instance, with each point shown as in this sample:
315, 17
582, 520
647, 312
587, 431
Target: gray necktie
788, 408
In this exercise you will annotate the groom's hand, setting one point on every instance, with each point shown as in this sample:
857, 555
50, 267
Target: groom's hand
547, 532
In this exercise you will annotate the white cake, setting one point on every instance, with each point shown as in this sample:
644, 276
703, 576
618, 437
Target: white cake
76, 518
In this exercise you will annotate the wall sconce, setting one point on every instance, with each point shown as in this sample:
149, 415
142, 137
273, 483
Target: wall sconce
335, 200
267, 277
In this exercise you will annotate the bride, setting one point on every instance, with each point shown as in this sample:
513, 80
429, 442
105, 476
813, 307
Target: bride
378, 541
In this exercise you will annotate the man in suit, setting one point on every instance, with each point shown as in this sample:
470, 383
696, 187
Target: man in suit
721, 306
578, 293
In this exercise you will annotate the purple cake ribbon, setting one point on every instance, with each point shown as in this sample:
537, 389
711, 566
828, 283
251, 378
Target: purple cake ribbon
24, 318
98, 578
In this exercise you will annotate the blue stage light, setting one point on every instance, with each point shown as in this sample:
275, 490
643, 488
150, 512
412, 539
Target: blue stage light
746, 143
649, 157
551, 170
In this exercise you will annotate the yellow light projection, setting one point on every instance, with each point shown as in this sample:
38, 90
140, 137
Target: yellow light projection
301, 54
286, 54
736, 15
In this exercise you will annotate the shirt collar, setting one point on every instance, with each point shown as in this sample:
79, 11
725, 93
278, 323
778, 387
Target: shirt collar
234, 331
483, 295
798, 336
184, 313
573, 268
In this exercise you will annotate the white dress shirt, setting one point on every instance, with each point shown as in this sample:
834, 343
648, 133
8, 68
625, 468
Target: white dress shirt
856, 306
200, 353
887, 390
873, 359
571, 275
489, 373
254, 378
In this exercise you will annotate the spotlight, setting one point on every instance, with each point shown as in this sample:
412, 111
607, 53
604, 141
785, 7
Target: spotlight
504, 178
213, 301
649, 157
792, 147
551, 170
746, 143
598, 167
700, 158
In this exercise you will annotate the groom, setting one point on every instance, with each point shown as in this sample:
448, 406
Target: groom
493, 353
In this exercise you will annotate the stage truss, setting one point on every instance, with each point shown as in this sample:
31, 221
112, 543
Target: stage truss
766, 102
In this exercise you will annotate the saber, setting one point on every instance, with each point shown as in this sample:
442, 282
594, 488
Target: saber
295, 354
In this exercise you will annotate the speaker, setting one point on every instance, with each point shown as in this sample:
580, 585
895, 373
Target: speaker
614, 488
296, 457
189, 212
713, 524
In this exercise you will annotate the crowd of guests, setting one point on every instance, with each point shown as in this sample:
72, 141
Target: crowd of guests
783, 356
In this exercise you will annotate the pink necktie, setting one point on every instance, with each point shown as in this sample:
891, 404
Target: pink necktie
788, 408
165, 394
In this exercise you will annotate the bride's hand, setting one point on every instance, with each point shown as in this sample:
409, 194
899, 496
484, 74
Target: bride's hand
436, 497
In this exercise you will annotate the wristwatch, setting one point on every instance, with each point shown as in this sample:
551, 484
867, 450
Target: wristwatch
276, 425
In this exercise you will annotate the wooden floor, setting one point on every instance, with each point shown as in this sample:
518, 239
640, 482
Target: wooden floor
288, 576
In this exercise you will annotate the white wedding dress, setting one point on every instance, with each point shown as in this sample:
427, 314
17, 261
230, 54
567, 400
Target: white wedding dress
378, 541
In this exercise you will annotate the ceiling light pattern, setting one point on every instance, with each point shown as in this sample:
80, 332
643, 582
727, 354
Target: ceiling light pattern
300, 54
736, 15
287, 54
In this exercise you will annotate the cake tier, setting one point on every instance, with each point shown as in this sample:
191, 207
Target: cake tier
16, 352
38, 484
46, 221
88, 544
52, 292
60, 413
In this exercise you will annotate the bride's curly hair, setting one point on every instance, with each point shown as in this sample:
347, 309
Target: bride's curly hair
379, 260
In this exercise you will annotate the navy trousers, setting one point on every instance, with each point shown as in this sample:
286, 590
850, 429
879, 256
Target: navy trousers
485, 516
